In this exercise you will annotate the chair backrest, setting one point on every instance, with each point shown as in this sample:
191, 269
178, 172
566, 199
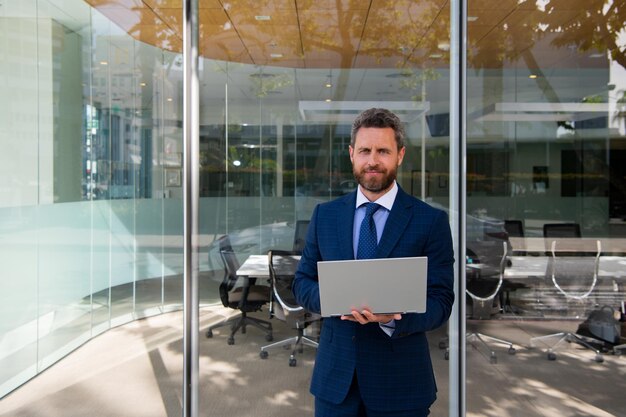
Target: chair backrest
561, 230
231, 264
514, 228
489, 290
284, 305
299, 238
575, 275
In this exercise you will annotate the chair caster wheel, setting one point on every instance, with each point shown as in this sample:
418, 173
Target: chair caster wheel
442, 345
292, 362
446, 355
599, 358
209, 334
263, 354
231, 341
493, 359
269, 337
512, 351
551, 356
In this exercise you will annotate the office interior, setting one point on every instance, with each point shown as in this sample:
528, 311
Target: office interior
91, 191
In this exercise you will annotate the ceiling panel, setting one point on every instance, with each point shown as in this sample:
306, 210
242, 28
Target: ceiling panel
343, 5
352, 33
124, 4
166, 4
265, 5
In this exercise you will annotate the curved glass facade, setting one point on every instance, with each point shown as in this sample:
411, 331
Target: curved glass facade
91, 232
91, 209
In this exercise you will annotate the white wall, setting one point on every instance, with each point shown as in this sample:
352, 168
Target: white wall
26, 117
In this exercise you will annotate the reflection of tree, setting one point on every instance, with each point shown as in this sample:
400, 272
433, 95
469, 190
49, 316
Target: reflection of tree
597, 28
262, 86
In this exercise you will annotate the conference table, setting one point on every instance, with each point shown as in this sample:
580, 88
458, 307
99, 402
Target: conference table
536, 250
522, 266
257, 266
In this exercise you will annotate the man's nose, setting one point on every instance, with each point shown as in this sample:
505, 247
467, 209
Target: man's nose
372, 160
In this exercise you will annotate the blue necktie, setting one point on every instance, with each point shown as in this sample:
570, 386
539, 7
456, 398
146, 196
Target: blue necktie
368, 241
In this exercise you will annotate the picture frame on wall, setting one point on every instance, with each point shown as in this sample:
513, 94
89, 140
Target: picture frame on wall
172, 177
173, 159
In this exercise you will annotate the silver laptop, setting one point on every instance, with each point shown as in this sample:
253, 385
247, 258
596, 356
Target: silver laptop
389, 285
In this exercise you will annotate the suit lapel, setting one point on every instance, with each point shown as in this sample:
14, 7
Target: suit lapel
397, 222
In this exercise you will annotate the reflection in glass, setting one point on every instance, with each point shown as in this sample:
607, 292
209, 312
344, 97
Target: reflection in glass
545, 133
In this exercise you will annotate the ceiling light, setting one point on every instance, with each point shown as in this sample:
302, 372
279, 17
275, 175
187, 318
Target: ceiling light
142, 84
170, 99
345, 111
329, 80
532, 76
276, 55
399, 74
444, 46
472, 18
540, 112
104, 63
262, 75
262, 17
435, 56
597, 55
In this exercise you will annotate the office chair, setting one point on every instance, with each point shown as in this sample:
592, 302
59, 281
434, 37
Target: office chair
566, 230
299, 238
570, 276
284, 307
487, 300
241, 294
514, 228
561, 230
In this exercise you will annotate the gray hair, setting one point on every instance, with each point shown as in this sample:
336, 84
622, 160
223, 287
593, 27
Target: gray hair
381, 118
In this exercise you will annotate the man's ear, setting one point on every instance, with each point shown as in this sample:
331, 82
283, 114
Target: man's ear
401, 155
351, 152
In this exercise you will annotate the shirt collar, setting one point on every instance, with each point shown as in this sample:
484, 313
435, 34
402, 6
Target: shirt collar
386, 200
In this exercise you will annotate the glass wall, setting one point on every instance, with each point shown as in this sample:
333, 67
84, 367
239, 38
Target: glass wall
274, 132
91, 194
545, 140
91, 175
91, 230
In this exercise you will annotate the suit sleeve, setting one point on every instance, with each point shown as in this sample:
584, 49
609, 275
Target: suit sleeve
305, 286
440, 287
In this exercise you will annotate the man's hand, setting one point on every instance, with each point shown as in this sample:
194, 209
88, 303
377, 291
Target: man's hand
365, 316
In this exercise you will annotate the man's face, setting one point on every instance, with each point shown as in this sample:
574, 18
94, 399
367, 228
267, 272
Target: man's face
375, 159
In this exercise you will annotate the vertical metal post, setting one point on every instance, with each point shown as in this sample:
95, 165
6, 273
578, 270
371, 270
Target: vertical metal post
191, 149
456, 328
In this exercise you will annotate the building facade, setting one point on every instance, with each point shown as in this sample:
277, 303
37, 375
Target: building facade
91, 127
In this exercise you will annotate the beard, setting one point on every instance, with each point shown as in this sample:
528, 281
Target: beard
375, 185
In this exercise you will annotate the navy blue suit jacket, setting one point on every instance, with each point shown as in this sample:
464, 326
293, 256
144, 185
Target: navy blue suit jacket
394, 372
